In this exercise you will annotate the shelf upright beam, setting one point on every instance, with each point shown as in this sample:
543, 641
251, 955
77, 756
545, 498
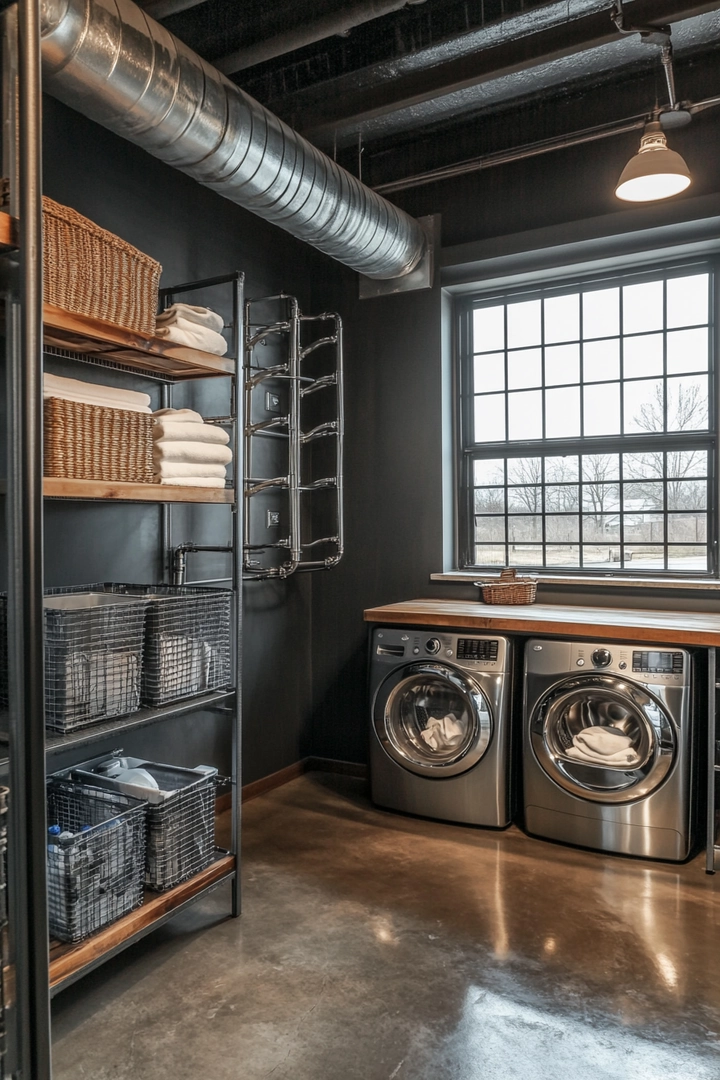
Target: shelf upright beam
711, 839
27, 840
237, 409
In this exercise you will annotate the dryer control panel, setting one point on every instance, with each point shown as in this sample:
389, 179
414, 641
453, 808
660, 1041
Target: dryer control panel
473, 653
663, 667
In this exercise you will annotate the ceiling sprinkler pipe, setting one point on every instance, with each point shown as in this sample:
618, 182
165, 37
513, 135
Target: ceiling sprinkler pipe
109, 60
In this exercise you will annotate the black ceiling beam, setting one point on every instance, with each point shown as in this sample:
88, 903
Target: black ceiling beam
332, 108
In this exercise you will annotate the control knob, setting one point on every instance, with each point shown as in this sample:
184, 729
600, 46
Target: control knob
601, 657
433, 646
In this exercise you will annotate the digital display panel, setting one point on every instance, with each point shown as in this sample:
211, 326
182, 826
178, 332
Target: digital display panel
661, 663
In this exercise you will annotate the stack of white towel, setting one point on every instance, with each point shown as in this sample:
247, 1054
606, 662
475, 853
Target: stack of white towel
443, 732
198, 327
109, 397
604, 746
187, 452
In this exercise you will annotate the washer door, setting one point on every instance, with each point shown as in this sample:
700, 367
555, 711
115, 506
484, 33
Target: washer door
432, 719
603, 701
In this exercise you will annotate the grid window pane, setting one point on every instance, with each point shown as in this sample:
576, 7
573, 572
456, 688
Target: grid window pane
643, 356
601, 395
601, 404
644, 403
489, 373
601, 313
688, 558
687, 300
562, 412
524, 324
562, 364
489, 500
525, 414
490, 555
562, 497
562, 318
601, 360
687, 350
489, 328
643, 307
687, 403
524, 369
489, 528
488, 471
490, 418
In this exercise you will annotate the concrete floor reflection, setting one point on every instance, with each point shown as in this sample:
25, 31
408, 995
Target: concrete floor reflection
379, 947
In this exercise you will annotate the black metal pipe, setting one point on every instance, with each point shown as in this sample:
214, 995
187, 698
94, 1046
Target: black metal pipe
25, 581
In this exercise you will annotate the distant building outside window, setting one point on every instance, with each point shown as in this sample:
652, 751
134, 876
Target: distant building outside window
587, 430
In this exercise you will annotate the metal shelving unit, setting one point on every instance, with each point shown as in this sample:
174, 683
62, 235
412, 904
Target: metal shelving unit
712, 849
287, 406
33, 966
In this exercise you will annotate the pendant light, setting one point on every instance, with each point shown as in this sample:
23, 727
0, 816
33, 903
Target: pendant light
655, 172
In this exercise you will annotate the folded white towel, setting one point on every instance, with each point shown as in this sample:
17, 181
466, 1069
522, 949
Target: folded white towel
602, 740
197, 337
195, 453
623, 758
110, 397
178, 416
203, 433
442, 733
201, 315
193, 481
166, 469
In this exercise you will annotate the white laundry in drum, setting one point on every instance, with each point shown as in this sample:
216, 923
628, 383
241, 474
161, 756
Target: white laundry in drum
604, 746
443, 733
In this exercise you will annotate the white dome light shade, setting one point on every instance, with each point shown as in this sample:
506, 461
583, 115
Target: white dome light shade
655, 172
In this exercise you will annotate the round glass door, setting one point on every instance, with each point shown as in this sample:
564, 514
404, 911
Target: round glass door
432, 719
603, 738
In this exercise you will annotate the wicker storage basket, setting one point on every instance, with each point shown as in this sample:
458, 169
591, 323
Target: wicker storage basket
510, 589
92, 272
90, 442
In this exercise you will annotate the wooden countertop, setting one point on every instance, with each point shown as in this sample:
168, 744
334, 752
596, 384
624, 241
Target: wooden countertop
611, 624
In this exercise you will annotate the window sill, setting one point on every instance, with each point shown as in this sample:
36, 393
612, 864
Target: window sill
469, 577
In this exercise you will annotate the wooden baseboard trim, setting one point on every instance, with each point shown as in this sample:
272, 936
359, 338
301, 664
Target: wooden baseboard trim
291, 772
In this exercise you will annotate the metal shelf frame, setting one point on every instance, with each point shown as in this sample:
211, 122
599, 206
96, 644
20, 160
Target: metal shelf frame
27, 966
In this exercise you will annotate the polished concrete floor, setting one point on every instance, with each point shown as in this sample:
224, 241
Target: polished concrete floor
378, 947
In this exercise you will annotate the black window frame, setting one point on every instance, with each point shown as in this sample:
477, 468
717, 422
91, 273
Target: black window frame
467, 451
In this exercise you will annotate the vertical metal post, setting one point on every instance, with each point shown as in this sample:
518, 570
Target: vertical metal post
166, 508
27, 815
711, 756
294, 434
339, 459
238, 515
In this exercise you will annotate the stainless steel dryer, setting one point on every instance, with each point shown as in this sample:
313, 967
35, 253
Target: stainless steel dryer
636, 801
440, 729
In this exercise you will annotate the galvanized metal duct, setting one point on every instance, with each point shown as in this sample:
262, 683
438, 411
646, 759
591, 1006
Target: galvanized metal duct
109, 60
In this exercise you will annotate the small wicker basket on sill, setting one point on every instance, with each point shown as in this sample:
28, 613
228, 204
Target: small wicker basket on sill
510, 589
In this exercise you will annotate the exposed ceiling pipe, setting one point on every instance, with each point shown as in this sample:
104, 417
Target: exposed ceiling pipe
336, 22
112, 62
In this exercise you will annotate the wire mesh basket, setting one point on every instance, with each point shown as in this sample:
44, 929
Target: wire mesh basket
180, 812
93, 656
187, 640
96, 858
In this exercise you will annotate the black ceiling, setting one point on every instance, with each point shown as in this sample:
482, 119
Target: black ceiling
432, 83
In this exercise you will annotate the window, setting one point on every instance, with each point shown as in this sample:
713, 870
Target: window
587, 426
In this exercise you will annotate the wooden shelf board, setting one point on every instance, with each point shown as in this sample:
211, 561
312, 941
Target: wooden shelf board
57, 488
105, 341
68, 962
607, 624
8, 232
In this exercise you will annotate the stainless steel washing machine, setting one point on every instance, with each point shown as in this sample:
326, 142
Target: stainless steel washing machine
581, 702
440, 729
